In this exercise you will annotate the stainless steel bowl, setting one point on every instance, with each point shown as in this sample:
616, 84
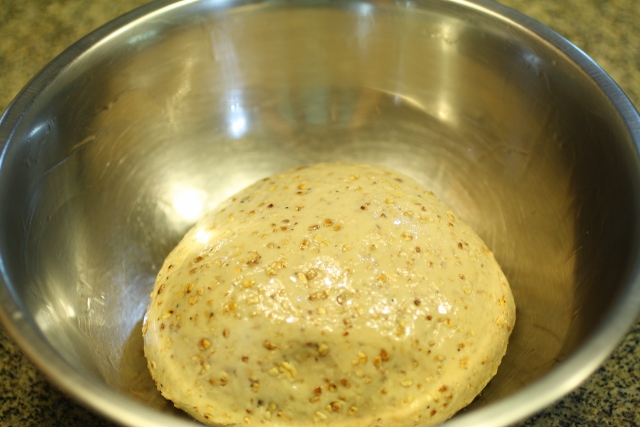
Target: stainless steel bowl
125, 139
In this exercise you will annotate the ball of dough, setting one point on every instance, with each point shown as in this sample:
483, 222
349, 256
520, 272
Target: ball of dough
334, 294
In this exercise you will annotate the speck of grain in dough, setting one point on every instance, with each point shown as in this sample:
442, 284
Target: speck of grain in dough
339, 294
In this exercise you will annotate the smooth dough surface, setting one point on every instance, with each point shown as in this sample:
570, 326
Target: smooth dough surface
334, 294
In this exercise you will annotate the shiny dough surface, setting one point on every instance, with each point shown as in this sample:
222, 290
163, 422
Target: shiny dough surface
333, 294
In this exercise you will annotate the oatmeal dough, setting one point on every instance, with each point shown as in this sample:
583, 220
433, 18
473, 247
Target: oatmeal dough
334, 294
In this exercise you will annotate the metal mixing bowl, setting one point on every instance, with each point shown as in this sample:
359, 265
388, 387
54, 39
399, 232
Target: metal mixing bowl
125, 139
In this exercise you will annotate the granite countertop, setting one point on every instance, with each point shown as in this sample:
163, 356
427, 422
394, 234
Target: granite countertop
34, 32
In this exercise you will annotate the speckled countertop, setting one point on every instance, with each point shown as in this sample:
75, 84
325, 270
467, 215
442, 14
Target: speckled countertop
34, 32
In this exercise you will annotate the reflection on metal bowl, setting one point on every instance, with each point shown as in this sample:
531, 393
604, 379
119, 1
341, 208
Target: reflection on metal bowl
124, 140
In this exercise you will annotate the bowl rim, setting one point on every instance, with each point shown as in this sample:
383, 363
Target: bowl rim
536, 396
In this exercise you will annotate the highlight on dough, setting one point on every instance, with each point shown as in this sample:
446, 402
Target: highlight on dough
332, 294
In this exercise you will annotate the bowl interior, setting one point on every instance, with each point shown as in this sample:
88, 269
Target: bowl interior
147, 128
